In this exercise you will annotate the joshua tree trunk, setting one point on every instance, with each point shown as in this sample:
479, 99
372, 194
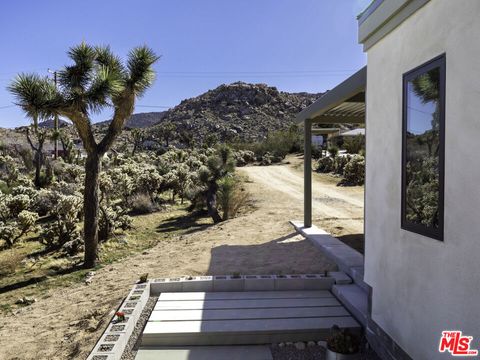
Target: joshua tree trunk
91, 208
212, 202
38, 168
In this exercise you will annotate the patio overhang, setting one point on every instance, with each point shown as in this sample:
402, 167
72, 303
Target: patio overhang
343, 104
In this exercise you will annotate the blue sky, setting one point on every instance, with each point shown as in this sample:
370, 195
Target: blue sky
295, 45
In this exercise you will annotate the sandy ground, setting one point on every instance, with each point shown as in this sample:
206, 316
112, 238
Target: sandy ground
66, 322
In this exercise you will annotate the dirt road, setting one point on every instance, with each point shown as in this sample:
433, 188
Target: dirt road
343, 205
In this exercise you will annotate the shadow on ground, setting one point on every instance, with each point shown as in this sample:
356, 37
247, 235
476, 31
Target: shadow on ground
288, 254
355, 241
191, 223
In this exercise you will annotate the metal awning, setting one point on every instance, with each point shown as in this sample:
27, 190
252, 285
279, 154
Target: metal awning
343, 104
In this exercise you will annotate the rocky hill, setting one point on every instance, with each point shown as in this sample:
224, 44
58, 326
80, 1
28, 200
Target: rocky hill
239, 110
140, 120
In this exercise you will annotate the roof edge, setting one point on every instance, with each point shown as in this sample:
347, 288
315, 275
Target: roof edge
345, 90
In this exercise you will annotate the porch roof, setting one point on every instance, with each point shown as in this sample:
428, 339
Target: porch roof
343, 104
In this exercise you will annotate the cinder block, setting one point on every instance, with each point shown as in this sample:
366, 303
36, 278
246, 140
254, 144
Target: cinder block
259, 283
100, 356
289, 282
158, 286
228, 283
317, 282
340, 277
198, 283
112, 348
142, 295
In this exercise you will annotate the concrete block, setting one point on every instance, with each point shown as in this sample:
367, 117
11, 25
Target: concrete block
354, 299
317, 282
142, 295
198, 283
158, 286
289, 282
340, 277
114, 349
100, 356
228, 283
259, 283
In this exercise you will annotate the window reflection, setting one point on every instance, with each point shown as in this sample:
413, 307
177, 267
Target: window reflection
422, 189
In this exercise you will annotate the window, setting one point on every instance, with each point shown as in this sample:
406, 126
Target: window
423, 149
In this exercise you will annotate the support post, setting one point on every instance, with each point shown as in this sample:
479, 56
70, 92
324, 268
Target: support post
307, 166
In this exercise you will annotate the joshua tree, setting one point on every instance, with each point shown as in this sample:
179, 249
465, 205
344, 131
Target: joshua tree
97, 79
219, 165
136, 138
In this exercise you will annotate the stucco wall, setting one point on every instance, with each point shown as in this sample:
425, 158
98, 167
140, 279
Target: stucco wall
422, 286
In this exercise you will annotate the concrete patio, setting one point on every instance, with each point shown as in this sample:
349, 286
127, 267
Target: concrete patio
183, 324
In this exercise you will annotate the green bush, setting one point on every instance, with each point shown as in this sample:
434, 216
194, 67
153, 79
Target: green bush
141, 204
354, 144
231, 197
325, 164
354, 172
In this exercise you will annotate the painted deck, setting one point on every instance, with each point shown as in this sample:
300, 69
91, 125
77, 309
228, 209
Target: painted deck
240, 318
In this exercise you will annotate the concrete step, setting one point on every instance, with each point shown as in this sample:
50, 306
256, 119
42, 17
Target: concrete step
355, 299
253, 318
246, 314
245, 295
255, 352
245, 304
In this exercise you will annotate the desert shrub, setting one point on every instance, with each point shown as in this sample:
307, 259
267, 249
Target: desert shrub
339, 164
141, 204
333, 150
354, 144
316, 152
243, 157
45, 201
231, 196
66, 212
8, 169
10, 262
11, 231
354, 172
111, 219
325, 164
269, 158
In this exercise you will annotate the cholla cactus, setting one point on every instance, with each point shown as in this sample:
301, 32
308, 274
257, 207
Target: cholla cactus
13, 230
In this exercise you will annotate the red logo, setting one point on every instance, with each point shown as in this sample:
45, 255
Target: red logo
457, 344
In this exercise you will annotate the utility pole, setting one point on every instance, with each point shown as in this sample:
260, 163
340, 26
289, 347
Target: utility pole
55, 121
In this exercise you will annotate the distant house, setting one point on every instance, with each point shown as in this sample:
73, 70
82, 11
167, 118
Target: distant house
421, 271
353, 132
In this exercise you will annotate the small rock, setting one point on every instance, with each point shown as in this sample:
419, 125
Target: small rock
145, 253
74, 323
281, 345
311, 343
289, 343
300, 345
322, 343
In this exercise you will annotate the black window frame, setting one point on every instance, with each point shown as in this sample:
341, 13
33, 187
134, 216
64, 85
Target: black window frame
437, 234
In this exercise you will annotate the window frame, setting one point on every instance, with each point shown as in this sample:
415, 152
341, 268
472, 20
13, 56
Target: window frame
437, 234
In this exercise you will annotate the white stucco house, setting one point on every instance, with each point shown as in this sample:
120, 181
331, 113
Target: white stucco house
419, 97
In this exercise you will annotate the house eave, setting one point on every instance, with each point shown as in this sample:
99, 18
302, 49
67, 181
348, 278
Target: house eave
382, 17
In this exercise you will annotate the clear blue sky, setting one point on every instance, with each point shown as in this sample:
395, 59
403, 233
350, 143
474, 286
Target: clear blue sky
295, 45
